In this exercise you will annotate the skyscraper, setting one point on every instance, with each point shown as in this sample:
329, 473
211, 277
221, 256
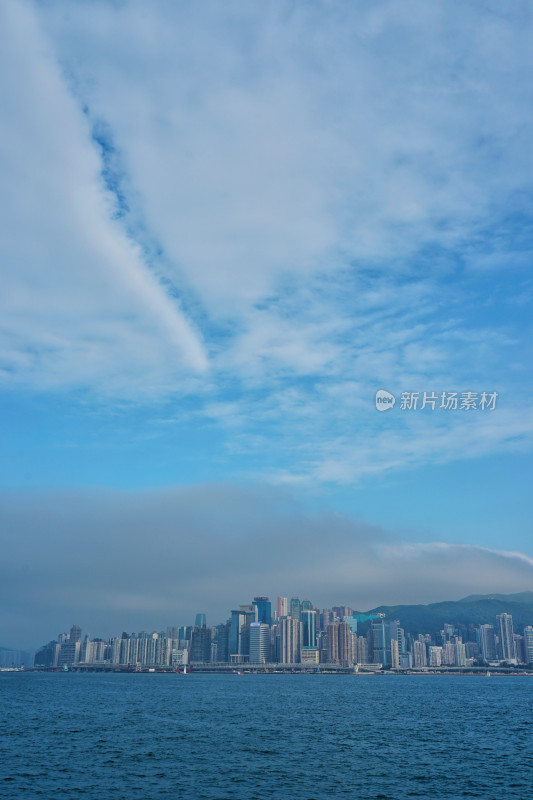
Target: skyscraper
505, 628
75, 634
308, 619
240, 632
264, 610
528, 644
283, 607
259, 643
295, 607
333, 643
200, 651
487, 642
345, 644
382, 634
290, 640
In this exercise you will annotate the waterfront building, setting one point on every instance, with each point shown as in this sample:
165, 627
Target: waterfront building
70, 653
435, 656
259, 643
290, 640
179, 658
241, 620
383, 633
506, 634
459, 654
222, 638
333, 643
406, 660
472, 650
200, 651
448, 654
487, 642
47, 656
394, 654
264, 610
519, 645
362, 650
419, 654
345, 644
308, 620
528, 644
309, 655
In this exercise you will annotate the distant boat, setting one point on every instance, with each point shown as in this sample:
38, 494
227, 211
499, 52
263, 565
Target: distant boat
65, 667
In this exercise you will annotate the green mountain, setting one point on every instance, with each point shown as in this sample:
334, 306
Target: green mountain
476, 610
521, 597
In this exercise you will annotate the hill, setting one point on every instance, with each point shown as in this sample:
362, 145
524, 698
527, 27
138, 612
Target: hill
476, 610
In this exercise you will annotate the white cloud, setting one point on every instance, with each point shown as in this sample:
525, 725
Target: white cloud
79, 304
315, 183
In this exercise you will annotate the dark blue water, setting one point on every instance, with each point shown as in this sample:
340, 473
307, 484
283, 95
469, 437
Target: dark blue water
294, 737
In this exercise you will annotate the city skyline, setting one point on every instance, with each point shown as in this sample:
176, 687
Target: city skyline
257, 634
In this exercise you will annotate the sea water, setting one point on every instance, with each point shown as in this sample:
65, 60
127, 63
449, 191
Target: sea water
296, 737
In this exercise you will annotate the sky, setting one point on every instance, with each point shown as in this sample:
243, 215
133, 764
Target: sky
225, 227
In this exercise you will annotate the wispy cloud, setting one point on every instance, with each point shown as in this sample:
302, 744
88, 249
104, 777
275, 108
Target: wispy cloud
276, 209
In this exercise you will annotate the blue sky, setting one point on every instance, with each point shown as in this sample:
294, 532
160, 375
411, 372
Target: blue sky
225, 227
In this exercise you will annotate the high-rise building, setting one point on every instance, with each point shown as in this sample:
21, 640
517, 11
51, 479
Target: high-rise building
264, 610
520, 651
222, 638
75, 634
259, 643
362, 650
70, 652
283, 607
505, 629
394, 654
295, 607
382, 634
241, 620
487, 642
200, 621
290, 640
419, 654
459, 654
528, 644
308, 619
200, 651
333, 643
345, 644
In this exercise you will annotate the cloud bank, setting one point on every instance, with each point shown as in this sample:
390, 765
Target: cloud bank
113, 561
